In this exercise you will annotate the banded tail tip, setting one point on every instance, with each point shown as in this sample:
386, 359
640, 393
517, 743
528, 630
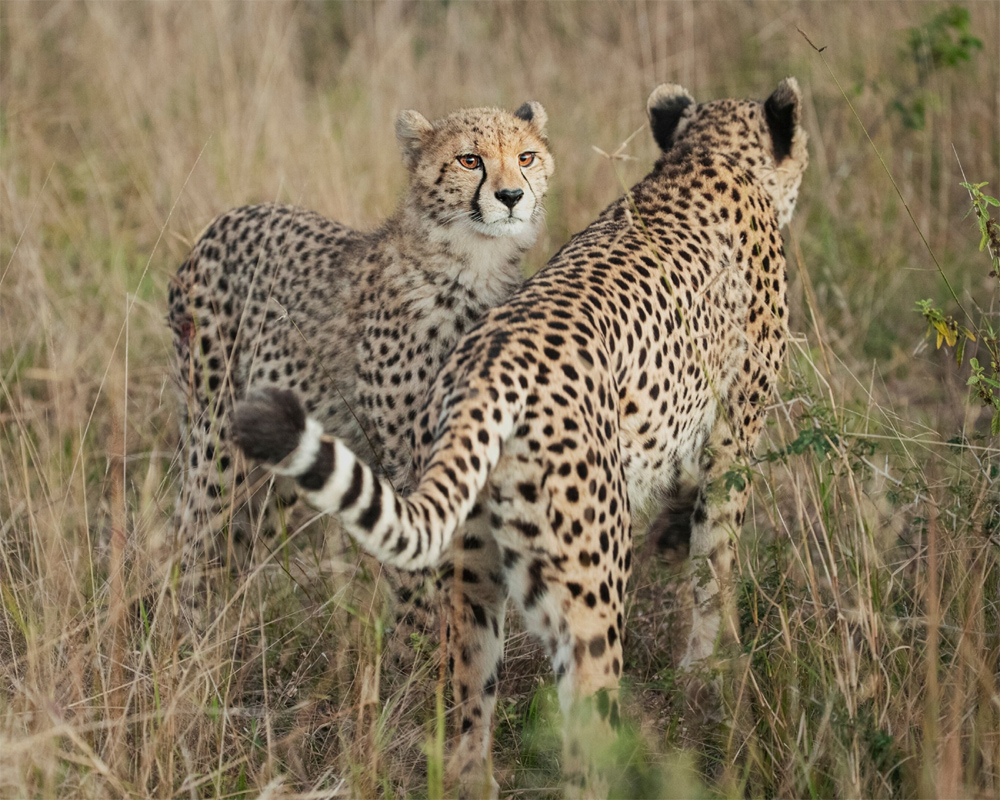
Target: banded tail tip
268, 425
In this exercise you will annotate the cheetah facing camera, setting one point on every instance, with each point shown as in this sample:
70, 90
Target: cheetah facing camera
356, 323
633, 368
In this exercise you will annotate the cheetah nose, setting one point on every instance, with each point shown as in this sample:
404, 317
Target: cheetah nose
509, 197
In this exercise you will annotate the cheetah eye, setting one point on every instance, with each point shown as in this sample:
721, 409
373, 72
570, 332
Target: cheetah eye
526, 159
470, 161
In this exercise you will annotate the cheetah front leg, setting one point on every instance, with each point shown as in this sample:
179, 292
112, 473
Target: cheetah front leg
715, 521
475, 600
717, 517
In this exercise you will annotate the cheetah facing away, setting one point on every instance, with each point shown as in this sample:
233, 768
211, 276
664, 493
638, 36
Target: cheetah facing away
356, 323
633, 367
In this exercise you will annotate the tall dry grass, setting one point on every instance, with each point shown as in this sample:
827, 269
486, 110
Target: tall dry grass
868, 580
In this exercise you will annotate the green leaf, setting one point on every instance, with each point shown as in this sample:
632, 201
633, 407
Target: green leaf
734, 480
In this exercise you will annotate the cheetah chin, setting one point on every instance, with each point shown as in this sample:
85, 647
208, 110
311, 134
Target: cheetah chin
507, 227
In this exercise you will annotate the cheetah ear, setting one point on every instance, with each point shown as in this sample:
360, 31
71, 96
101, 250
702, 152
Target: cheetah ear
664, 108
782, 111
412, 129
533, 112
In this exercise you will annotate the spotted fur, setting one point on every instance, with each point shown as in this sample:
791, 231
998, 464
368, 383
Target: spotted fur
634, 368
357, 323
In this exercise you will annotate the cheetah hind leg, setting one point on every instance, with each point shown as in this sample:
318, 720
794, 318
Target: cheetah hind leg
576, 609
468, 590
587, 665
474, 597
197, 543
218, 519
713, 540
415, 618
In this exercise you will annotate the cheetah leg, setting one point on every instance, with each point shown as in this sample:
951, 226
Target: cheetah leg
213, 506
475, 601
716, 520
585, 648
588, 698
572, 597
713, 536
208, 509
415, 611
205, 460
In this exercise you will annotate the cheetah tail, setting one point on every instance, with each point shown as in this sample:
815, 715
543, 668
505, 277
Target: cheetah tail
408, 532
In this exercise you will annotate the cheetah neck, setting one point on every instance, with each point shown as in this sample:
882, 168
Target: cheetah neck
488, 266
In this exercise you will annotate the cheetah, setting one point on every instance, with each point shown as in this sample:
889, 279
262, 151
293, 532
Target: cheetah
356, 322
633, 368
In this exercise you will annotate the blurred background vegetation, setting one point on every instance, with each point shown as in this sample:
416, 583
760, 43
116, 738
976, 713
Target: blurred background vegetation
868, 579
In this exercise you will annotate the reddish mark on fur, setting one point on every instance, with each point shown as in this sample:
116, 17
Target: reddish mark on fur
186, 331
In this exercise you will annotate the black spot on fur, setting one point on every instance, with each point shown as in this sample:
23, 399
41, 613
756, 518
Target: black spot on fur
536, 585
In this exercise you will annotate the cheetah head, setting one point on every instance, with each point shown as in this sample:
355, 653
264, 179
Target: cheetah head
766, 137
483, 171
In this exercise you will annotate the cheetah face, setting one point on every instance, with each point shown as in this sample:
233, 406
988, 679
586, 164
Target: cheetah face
765, 137
482, 170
